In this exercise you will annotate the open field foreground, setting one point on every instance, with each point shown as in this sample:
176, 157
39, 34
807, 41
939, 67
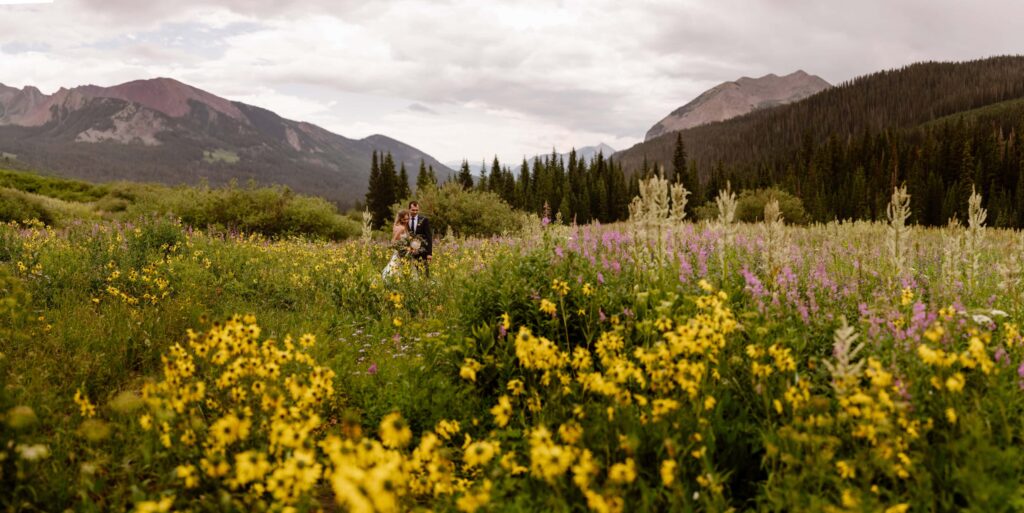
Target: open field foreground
633, 367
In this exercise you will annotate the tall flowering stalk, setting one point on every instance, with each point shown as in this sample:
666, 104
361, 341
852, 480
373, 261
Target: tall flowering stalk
367, 225
975, 236
774, 238
898, 212
845, 372
952, 252
651, 209
726, 202
679, 195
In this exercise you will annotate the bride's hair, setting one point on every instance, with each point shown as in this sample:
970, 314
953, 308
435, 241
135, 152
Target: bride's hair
402, 218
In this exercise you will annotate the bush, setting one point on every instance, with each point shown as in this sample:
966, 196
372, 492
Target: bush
469, 213
19, 206
271, 211
750, 206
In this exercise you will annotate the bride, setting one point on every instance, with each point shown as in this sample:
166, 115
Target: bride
399, 232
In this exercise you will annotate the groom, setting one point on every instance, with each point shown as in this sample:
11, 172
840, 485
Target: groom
420, 225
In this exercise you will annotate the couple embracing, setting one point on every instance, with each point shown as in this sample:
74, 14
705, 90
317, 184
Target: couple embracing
411, 238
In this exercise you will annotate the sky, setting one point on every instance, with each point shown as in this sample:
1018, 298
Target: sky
478, 78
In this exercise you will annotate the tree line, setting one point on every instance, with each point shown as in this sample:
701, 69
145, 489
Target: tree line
571, 189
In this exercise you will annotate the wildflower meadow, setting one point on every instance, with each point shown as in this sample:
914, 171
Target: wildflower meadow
659, 364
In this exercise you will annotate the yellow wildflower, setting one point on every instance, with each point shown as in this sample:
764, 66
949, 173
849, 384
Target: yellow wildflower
85, 407
846, 471
394, 432
548, 307
469, 368
668, 472
502, 411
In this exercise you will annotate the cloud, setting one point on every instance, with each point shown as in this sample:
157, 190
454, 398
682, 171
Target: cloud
419, 107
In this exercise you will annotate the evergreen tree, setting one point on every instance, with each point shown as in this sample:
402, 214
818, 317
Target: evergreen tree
376, 194
465, 177
523, 197
483, 183
679, 161
422, 178
497, 181
389, 175
403, 190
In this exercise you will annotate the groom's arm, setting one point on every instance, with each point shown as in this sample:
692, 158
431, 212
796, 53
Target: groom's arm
429, 235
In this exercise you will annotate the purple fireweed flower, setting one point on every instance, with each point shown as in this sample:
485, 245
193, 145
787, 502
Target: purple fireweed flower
600, 315
753, 283
545, 221
1020, 370
863, 310
600, 278
684, 268
559, 252
373, 369
1001, 356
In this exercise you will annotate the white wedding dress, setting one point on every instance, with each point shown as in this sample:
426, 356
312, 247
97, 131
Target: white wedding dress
395, 261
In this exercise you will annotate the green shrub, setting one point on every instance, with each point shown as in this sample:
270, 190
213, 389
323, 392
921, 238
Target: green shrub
750, 206
19, 206
67, 190
272, 211
469, 213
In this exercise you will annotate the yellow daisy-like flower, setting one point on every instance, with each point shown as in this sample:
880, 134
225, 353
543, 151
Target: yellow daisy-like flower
668, 472
502, 411
480, 453
561, 287
622, 473
846, 471
907, 297
394, 432
516, 387
548, 307
469, 368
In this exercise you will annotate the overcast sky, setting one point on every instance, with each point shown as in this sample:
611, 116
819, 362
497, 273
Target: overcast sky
475, 78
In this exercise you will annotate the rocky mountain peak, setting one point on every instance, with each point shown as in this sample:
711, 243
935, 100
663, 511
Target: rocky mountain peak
744, 95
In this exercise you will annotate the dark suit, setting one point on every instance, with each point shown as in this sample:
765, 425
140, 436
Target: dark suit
420, 225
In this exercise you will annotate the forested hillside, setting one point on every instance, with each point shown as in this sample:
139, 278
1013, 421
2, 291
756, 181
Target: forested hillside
939, 127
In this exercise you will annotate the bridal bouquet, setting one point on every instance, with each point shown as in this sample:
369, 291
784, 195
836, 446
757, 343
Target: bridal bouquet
410, 246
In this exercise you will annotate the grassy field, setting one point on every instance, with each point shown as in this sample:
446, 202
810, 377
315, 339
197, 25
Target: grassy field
648, 366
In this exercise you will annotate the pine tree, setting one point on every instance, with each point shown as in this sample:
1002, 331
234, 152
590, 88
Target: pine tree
390, 190
523, 198
376, 194
496, 182
465, 177
679, 160
402, 190
422, 178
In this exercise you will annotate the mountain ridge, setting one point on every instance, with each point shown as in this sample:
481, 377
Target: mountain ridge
738, 97
164, 130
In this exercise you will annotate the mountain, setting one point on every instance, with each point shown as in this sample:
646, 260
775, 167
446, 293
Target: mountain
731, 99
163, 130
942, 128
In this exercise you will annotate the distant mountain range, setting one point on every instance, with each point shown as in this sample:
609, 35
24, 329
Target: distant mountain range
730, 99
162, 130
585, 153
